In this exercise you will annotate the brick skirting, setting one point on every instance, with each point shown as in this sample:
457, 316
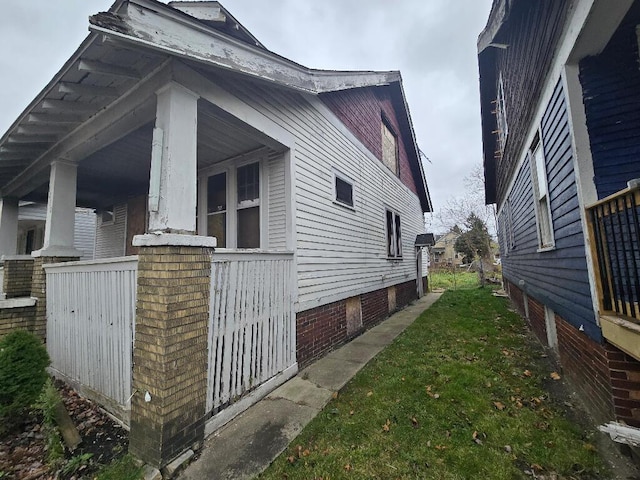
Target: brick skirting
323, 328
606, 379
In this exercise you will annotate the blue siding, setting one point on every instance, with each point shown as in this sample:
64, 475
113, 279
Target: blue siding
557, 278
611, 88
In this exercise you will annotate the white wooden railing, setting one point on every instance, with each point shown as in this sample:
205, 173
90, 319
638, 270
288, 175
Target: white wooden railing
90, 323
1, 282
252, 334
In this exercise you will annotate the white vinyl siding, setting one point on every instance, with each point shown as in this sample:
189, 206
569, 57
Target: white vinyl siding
110, 239
85, 233
277, 224
340, 252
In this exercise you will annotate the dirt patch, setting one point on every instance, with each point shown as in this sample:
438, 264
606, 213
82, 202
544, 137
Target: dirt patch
23, 451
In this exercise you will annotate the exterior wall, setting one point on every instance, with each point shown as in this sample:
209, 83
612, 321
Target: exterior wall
321, 329
361, 110
111, 238
341, 252
277, 202
84, 236
18, 275
559, 277
136, 222
535, 29
611, 88
20, 318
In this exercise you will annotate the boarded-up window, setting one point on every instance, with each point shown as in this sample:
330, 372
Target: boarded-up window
354, 315
389, 147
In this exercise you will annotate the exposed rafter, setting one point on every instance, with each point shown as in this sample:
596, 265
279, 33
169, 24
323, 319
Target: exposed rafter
90, 90
107, 69
56, 118
48, 129
73, 107
29, 139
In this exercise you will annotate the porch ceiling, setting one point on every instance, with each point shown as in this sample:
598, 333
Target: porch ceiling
121, 169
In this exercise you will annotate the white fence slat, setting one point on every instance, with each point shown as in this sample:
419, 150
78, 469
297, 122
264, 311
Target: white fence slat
91, 323
251, 338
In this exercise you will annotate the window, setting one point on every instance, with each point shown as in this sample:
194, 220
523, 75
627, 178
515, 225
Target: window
249, 206
507, 228
233, 207
343, 190
389, 147
108, 216
501, 116
541, 196
394, 236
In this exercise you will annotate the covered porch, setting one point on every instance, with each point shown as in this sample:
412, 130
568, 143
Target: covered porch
163, 331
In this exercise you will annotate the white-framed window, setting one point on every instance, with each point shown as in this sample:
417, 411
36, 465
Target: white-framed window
394, 235
232, 207
501, 115
389, 146
343, 190
544, 220
507, 227
108, 216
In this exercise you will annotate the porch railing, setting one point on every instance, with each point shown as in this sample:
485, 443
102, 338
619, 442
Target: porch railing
252, 334
614, 225
91, 309
1, 282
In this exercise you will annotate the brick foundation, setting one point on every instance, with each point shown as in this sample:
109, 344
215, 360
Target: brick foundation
170, 353
20, 318
606, 379
18, 274
323, 328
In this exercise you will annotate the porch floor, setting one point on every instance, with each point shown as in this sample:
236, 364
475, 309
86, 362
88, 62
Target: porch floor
248, 444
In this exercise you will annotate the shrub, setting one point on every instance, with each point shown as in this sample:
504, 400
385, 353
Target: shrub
23, 363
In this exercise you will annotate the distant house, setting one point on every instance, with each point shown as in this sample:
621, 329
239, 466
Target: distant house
560, 96
443, 252
31, 224
253, 214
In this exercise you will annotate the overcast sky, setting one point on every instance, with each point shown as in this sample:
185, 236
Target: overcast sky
432, 43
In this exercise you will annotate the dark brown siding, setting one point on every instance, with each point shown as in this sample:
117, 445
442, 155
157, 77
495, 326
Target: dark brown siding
361, 111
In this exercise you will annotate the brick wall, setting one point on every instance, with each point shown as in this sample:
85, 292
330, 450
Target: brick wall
625, 384
17, 277
361, 111
170, 353
20, 318
584, 363
537, 320
321, 329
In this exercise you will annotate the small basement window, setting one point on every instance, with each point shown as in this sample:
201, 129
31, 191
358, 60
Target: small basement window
343, 191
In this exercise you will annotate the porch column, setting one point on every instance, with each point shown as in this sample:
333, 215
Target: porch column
58, 236
8, 226
61, 212
170, 355
173, 182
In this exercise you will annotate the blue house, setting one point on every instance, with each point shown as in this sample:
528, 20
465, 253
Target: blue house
560, 102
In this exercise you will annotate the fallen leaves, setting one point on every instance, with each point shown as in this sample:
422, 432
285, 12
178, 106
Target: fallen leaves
432, 394
387, 426
555, 376
499, 405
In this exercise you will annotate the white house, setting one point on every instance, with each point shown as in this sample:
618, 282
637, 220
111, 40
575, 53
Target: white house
184, 132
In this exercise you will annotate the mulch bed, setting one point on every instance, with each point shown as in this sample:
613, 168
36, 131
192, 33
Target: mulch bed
23, 450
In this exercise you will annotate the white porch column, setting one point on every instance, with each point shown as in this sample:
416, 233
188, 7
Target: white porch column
8, 227
61, 212
173, 183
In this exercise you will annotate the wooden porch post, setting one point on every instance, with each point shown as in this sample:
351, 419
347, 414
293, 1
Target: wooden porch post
171, 340
8, 226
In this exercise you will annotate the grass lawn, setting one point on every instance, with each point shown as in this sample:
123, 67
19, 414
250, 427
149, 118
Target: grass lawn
453, 279
462, 393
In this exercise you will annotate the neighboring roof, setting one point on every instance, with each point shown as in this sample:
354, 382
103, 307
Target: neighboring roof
425, 240
211, 38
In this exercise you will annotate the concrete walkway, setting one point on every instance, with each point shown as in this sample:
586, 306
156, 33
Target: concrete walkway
249, 443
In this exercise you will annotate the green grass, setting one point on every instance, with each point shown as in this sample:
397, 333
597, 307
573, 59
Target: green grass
458, 395
122, 468
453, 279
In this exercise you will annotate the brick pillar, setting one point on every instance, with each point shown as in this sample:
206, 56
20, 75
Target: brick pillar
39, 291
171, 346
18, 271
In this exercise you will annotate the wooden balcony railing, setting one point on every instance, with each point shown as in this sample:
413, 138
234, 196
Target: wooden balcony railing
614, 225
